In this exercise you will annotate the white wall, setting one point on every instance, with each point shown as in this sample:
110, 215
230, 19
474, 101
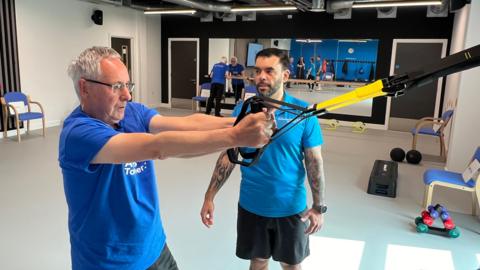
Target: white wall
465, 134
266, 42
51, 33
457, 44
217, 48
153, 62
283, 43
453, 81
231, 49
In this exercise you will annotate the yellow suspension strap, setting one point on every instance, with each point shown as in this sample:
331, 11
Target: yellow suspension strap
365, 92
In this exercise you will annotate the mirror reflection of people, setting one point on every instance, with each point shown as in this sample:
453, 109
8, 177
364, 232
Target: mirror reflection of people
318, 64
291, 68
324, 69
237, 70
218, 74
301, 68
311, 73
106, 152
272, 209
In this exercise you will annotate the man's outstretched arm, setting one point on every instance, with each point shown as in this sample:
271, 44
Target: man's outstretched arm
193, 122
255, 130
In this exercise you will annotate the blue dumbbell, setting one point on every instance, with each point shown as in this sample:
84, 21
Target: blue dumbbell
433, 212
444, 215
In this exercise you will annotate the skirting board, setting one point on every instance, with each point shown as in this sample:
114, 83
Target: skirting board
349, 124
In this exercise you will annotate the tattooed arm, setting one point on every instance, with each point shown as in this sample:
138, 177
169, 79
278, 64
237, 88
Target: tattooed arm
222, 171
316, 179
315, 174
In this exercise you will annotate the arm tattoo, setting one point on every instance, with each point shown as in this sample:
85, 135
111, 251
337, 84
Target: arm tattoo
315, 174
222, 171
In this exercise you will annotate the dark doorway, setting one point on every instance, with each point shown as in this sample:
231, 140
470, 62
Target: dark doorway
122, 46
422, 101
183, 72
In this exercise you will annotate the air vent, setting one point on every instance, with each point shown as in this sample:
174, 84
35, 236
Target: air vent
386, 12
110, 2
438, 11
343, 14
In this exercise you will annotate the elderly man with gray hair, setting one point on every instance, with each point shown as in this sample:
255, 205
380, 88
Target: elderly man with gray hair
218, 74
236, 70
106, 152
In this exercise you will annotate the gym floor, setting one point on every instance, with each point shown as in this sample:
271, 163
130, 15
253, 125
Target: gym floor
361, 231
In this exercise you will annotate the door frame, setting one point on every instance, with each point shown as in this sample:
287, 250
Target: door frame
197, 40
137, 94
444, 43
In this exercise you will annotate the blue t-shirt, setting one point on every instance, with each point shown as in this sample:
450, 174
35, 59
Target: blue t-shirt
291, 67
236, 71
113, 218
219, 70
274, 186
319, 66
313, 69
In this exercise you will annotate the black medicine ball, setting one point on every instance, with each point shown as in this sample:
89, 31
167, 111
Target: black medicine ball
397, 154
414, 157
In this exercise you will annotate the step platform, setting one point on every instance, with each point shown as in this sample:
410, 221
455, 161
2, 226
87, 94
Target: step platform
383, 179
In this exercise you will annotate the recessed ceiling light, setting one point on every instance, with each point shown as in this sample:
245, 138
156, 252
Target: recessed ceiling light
170, 11
395, 3
263, 8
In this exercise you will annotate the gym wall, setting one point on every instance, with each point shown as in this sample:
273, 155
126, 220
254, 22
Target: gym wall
49, 38
410, 23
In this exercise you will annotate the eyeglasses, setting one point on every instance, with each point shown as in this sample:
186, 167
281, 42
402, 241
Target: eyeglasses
116, 87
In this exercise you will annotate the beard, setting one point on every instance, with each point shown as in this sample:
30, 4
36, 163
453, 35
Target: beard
271, 89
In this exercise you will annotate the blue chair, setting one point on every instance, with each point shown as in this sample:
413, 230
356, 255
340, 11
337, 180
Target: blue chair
431, 122
203, 92
449, 179
17, 106
249, 91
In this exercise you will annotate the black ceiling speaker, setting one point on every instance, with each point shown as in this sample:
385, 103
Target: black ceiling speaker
97, 17
386, 12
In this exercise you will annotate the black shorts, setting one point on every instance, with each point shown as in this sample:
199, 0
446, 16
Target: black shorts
283, 238
165, 261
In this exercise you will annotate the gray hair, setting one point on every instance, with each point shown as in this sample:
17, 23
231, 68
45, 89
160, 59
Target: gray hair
87, 65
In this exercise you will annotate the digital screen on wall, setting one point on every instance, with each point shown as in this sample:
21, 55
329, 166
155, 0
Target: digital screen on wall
252, 50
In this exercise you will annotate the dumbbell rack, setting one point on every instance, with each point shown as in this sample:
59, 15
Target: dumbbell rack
425, 222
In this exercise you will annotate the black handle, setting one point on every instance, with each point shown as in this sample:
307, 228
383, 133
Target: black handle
251, 105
